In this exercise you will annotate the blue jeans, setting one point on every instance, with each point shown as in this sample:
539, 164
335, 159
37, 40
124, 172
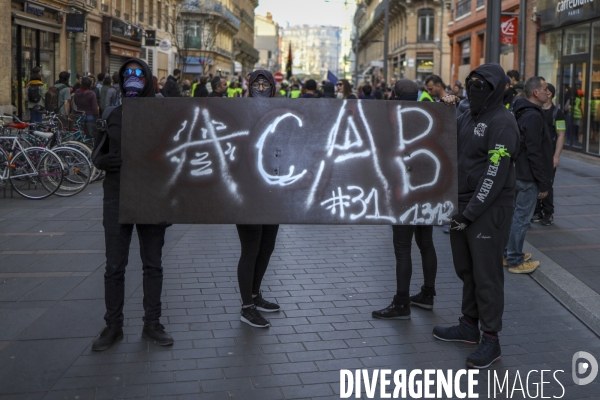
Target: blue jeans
525, 201
34, 115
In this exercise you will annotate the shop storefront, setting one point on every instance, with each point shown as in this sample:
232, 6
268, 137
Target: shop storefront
35, 42
121, 41
569, 58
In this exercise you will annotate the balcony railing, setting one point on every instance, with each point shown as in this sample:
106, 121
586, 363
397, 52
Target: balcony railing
141, 17
224, 52
247, 18
126, 16
425, 38
104, 8
463, 7
118, 13
211, 6
242, 45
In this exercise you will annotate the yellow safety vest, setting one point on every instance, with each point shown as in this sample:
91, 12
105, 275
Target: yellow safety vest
425, 96
294, 94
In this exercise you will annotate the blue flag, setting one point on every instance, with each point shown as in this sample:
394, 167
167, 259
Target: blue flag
331, 77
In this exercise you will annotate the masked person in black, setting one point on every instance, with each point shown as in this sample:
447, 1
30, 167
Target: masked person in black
135, 81
407, 90
488, 140
257, 241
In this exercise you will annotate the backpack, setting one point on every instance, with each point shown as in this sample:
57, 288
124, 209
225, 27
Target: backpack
101, 143
51, 99
34, 94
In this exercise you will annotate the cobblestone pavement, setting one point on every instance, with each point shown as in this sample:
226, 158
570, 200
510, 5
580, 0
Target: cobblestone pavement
327, 279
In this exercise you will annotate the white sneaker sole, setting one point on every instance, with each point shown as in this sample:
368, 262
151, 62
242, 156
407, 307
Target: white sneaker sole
266, 309
454, 340
254, 325
471, 365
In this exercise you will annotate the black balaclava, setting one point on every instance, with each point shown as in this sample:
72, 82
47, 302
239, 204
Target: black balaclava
264, 74
478, 96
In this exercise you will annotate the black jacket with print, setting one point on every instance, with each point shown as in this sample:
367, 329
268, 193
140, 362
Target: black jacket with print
482, 181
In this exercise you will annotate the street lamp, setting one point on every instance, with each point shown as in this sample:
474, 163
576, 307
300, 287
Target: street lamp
386, 38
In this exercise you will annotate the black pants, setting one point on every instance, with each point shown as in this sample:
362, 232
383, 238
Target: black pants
402, 236
258, 243
118, 238
477, 254
546, 205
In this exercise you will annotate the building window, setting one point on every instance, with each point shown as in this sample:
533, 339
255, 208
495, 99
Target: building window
463, 7
425, 25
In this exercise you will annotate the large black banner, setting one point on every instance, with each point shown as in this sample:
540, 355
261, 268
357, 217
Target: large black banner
288, 161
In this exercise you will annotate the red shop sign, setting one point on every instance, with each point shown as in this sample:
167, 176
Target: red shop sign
509, 29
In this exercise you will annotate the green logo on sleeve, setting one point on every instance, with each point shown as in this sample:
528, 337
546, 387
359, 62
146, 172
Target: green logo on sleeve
497, 154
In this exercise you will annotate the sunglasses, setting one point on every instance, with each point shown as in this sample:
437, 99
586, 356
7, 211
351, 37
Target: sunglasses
478, 84
339, 84
264, 84
133, 71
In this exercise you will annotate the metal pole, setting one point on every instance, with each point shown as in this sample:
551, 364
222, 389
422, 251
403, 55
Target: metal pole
492, 37
73, 59
386, 37
521, 37
356, 56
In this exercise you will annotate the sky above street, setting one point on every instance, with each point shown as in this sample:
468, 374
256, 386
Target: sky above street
310, 12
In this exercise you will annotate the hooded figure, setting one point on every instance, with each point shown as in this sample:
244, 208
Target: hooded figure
257, 241
135, 79
261, 75
328, 90
488, 139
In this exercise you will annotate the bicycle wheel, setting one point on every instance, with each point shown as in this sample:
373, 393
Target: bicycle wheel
3, 171
36, 173
76, 173
96, 173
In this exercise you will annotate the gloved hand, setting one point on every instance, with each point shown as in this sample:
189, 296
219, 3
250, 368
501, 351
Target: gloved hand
459, 222
110, 162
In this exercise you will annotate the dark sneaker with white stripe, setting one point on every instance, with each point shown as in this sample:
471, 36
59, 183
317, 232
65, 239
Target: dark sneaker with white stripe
547, 220
463, 332
537, 217
396, 310
264, 305
487, 353
253, 317
422, 300
109, 335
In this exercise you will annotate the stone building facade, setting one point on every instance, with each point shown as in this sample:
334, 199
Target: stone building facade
268, 43
418, 44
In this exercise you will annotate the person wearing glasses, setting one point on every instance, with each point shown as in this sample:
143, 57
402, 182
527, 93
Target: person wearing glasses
135, 82
488, 145
257, 241
344, 90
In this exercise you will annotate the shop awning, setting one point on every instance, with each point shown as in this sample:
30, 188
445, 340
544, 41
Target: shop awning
36, 23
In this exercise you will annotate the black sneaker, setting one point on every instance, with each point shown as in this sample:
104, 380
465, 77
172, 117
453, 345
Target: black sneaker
537, 217
107, 338
157, 333
253, 317
487, 353
547, 220
463, 332
422, 300
264, 305
396, 310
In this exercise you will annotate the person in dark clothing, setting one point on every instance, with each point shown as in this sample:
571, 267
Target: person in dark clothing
488, 139
328, 90
310, 87
135, 81
555, 122
85, 99
257, 241
201, 90
172, 88
366, 93
509, 94
533, 170
219, 87
407, 90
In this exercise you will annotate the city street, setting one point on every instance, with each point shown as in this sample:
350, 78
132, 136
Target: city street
327, 280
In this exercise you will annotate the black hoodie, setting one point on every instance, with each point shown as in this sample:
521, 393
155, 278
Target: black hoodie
172, 88
481, 181
112, 181
535, 157
265, 74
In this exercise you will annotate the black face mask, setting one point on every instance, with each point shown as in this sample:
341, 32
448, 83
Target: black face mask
260, 93
479, 91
